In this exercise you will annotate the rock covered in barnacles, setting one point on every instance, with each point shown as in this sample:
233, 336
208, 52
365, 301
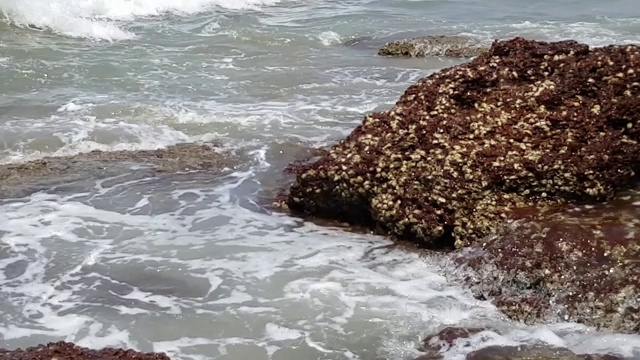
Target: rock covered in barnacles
580, 265
68, 351
526, 123
433, 45
525, 352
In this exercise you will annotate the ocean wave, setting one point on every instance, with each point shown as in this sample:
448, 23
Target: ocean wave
595, 33
106, 20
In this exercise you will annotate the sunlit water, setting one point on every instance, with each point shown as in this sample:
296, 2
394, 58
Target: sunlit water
190, 264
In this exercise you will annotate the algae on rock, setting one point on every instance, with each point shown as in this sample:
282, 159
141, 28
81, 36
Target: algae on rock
433, 45
525, 124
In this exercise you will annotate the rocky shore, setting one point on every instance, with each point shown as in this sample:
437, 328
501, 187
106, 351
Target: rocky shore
434, 45
68, 351
520, 161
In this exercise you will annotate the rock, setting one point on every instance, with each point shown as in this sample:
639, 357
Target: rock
532, 353
22, 178
526, 124
581, 265
435, 346
356, 40
35, 27
443, 340
68, 351
450, 46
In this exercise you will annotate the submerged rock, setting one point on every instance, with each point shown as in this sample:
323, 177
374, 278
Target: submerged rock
356, 40
26, 177
434, 345
442, 45
68, 351
525, 124
438, 344
581, 265
533, 353
524, 132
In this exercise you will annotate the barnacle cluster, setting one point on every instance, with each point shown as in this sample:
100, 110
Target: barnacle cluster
581, 265
434, 45
524, 124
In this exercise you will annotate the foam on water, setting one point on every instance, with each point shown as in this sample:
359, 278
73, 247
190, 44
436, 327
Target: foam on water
185, 269
80, 127
602, 33
84, 125
101, 19
190, 264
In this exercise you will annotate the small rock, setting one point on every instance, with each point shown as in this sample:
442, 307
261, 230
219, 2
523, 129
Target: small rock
22, 178
355, 40
449, 46
532, 353
69, 351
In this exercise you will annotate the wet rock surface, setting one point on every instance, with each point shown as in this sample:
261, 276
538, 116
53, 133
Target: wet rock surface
68, 351
440, 45
580, 265
435, 346
23, 178
533, 353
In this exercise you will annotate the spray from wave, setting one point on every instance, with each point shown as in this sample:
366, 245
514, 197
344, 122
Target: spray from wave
106, 19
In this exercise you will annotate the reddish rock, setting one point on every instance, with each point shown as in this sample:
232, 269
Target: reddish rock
526, 123
68, 351
443, 340
581, 265
524, 132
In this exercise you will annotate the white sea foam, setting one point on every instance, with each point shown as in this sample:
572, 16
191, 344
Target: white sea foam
591, 33
181, 266
224, 280
328, 38
102, 19
81, 126
75, 129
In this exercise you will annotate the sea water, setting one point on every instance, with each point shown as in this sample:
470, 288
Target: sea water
190, 264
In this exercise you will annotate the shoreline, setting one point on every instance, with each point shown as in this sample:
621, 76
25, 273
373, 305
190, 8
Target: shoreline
197, 157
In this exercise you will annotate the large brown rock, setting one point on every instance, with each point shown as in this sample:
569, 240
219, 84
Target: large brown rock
68, 351
525, 124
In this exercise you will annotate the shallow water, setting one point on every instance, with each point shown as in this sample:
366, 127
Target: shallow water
190, 264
